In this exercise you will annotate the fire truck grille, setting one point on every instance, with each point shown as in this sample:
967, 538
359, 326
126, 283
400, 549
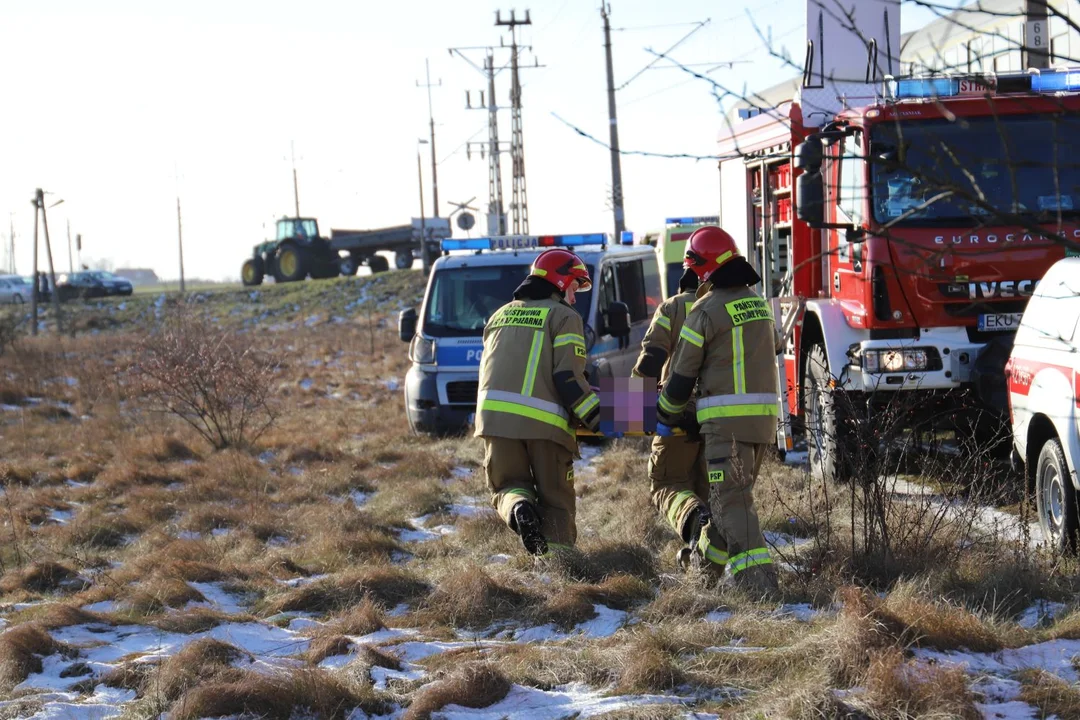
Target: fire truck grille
462, 392
974, 309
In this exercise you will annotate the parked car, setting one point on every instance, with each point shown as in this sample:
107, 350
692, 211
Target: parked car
1043, 374
81, 285
114, 284
15, 289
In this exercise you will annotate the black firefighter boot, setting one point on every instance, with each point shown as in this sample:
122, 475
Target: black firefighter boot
526, 523
690, 556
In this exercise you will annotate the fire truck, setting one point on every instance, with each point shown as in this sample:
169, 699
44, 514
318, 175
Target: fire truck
899, 225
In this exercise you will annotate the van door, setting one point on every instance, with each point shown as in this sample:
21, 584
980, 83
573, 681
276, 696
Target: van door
639, 290
605, 353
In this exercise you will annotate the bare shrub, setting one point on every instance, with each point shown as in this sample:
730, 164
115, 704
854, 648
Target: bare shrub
213, 379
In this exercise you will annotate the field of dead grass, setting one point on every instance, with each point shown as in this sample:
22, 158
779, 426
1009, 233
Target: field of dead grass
341, 566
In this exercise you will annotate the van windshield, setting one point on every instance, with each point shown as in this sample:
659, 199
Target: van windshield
462, 299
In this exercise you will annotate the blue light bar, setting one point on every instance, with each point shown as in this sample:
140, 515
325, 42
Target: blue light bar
627, 237
1061, 81
925, 87
524, 242
700, 220
471, 244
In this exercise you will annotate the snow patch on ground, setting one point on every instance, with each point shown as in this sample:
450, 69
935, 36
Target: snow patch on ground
217, 597
564, 701
1042, 612
1053, 656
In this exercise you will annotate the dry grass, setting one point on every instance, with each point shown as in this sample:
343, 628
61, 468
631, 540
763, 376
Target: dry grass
139, 480
896, 688
277, 697
476, 685
39, 577
21, 649
385, 585
1050, 694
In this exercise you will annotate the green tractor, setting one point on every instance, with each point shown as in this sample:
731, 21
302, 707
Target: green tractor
299, 251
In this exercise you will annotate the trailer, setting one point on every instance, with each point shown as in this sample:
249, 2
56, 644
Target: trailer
298, 250
893, 234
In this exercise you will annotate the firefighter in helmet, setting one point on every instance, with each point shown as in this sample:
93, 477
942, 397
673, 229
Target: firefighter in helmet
677, 478
532, 392
727, 348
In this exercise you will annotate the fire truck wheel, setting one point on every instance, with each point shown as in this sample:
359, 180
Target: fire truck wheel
1056, 498
827, 428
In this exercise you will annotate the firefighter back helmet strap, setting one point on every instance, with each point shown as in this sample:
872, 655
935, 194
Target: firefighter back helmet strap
709, 247
561, 267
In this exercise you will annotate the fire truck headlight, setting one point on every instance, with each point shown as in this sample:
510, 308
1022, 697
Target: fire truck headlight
892, 361
888, 361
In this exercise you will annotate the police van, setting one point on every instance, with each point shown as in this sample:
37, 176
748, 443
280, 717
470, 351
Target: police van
476, 277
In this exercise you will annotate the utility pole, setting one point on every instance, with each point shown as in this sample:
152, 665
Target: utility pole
616, 163
71, 258
37, 202
1036, 34
295, 187
78, 249
519, 204
425, 255
52, 270
180, 242
431, 119
496, 216
11, 242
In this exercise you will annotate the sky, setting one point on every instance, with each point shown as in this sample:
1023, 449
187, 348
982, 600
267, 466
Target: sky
120, 107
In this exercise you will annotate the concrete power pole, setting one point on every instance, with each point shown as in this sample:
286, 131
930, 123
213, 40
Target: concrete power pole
11, 242
431, 120
519, 204
71, 258
616, 164
180, 242
1036, 34
492, 149
38, 202
295, 186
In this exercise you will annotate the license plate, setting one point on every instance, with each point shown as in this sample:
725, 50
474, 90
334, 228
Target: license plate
999, 321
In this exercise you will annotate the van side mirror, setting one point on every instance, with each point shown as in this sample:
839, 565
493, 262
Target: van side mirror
407, 324
618, 320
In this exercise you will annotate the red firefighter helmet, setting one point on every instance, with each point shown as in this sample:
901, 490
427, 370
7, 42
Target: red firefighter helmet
559, 267
707, 249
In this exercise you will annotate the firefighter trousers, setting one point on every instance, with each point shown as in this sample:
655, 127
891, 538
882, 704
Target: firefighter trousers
732, 469
679, 485
540, 472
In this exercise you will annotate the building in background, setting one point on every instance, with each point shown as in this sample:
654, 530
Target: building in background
987, 36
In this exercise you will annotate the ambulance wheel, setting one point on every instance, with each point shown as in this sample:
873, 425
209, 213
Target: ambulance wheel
827, 424
1056, 499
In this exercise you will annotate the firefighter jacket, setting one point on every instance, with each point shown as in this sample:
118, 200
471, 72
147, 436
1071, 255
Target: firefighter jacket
727, 347
532, 374
659, 343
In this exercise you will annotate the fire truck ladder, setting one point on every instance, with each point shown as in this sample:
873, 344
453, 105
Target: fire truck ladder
786, 317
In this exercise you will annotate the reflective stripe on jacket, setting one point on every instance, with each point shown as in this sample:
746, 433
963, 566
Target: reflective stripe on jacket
727, 348
532, 374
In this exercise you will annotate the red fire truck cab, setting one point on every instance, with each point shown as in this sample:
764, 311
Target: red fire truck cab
900, 227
